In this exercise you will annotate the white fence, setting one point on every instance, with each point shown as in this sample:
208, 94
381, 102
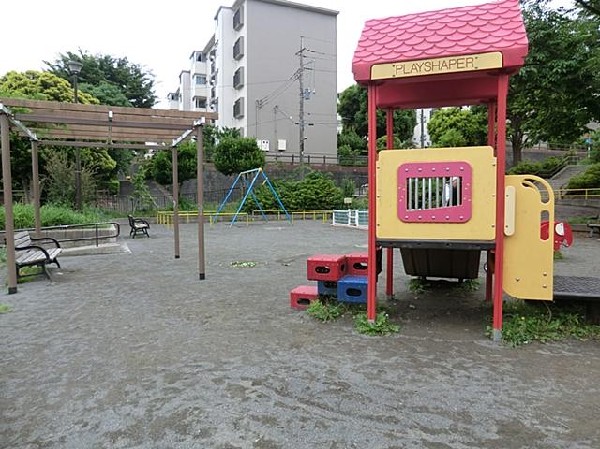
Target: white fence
351, 217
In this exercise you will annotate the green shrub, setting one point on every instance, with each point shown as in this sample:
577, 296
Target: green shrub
589, 179
317, 191
545, 169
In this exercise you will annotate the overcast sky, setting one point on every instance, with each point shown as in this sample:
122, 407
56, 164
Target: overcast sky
160, 35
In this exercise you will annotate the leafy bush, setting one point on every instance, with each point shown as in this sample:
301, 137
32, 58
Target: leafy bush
317, 191
589, 179
234, 155
544, 169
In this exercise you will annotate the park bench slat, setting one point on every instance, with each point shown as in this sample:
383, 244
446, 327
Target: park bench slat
35, 252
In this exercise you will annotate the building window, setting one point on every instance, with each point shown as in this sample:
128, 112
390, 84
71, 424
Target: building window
200, 102
238, 18
238, 78
238, 48
199, 56
200, 79
238, 108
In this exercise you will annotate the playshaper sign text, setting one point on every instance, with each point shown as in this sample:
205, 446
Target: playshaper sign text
437, 66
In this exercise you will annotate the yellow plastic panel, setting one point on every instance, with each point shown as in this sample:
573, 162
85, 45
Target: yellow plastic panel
480, 225
528, 259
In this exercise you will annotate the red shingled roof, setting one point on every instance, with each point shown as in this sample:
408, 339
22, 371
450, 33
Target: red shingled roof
496, 26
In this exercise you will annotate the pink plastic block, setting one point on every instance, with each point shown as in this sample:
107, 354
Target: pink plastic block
326, 267
302, 296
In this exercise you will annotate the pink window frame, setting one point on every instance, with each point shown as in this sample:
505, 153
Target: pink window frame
451, 214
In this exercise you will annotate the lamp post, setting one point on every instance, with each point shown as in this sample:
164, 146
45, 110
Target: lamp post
74, 70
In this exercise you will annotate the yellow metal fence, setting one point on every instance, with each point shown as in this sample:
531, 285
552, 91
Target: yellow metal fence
165, 217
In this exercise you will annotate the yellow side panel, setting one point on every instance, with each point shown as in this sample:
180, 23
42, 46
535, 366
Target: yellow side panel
481, 224
529, 260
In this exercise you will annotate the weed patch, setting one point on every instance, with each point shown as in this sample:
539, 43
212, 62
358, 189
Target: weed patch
381, 325
328, 309
325, 310
524, 323
4, 308
243, 264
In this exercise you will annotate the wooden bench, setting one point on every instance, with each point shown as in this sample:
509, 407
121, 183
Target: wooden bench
138, 225
40, 252
594, 227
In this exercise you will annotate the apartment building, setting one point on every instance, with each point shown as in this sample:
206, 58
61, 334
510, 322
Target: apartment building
269, 70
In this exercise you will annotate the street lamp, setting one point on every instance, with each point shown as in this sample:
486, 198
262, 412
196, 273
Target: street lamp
75, 69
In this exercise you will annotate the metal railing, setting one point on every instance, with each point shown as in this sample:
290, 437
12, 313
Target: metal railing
585, 194
165, 217
278, 214
351, 217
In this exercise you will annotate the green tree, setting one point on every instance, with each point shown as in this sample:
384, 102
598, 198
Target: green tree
141, 193
351, 148
40, 86
234, 155
591, 6
59, 182
111, 79
350, 138
352, 107
382, 143
454, 127
555, 94
348, 156
160, 167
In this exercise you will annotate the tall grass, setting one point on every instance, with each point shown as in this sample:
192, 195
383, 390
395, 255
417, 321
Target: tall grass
51, 215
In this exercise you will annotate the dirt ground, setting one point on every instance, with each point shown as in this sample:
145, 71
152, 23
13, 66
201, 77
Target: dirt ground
131, 350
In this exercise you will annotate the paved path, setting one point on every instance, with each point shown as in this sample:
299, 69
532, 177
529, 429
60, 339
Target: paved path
130, 350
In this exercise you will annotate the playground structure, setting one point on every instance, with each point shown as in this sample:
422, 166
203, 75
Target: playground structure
248, 180
443, 207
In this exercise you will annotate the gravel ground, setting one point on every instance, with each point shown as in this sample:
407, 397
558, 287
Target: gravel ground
131, 350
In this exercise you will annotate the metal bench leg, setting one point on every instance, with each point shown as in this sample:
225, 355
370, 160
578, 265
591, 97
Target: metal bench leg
47, 272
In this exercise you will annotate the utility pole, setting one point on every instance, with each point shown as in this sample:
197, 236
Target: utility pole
301, 110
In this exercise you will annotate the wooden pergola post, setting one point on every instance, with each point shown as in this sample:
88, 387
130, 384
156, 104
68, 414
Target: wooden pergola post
9, 225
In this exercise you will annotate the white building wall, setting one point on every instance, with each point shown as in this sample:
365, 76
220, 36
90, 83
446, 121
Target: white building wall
421, 137
224, 41
272, 32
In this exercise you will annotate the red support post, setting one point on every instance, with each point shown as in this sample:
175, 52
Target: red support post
500, 169
372, 198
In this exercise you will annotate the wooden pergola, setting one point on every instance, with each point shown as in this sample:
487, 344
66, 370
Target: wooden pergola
91, 126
